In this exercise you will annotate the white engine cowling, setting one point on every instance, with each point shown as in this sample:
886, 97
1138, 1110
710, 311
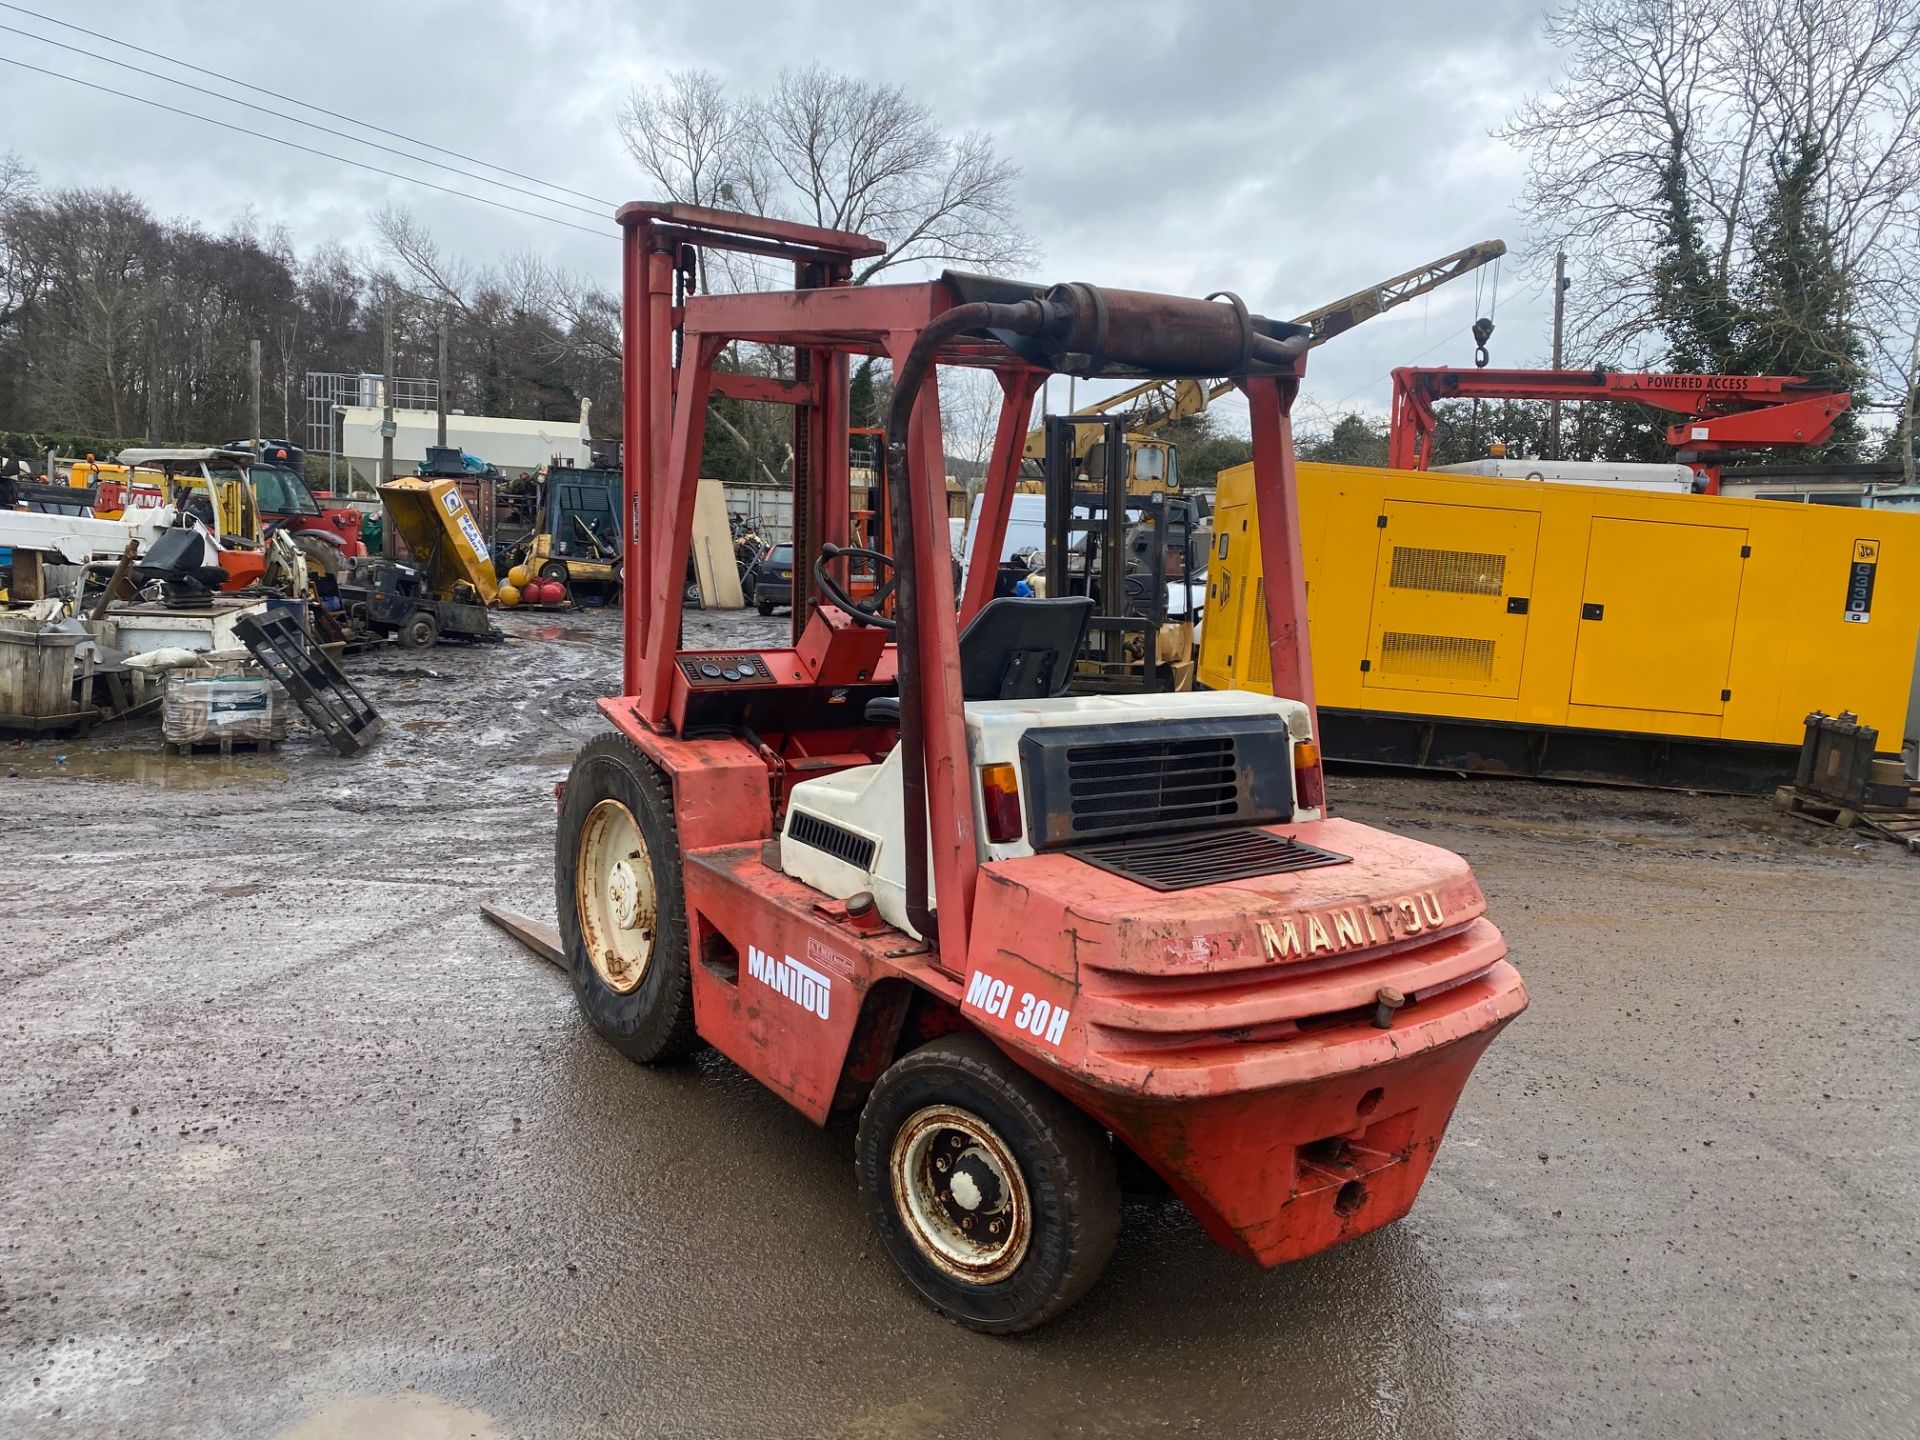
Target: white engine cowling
843, 832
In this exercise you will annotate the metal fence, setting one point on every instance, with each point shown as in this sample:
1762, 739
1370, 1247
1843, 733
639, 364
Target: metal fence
327, 393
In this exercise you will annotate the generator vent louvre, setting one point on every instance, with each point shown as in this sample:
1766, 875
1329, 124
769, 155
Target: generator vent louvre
1436, 657
1452, 572
1152, 784
1260, 663
842, 844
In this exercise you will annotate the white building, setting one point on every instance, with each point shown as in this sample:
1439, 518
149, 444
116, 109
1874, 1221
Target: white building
510, 445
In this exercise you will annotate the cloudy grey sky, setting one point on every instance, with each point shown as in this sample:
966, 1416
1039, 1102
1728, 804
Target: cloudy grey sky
1289, 152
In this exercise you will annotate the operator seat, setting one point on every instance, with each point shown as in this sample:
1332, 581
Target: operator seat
1014, 649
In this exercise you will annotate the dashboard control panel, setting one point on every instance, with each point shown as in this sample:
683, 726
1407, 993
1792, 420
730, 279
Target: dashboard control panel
717, 671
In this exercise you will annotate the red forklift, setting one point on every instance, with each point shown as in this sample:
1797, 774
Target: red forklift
896, 868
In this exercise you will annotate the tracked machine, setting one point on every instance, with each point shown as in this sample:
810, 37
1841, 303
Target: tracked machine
895, 868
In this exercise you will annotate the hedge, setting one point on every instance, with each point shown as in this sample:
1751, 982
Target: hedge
31, 444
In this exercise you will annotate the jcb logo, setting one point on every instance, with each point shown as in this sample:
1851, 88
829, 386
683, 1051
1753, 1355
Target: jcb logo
1866, 552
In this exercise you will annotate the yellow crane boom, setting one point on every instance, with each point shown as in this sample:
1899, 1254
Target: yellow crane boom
1155, 404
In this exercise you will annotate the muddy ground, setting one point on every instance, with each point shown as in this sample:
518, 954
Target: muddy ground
293, 1144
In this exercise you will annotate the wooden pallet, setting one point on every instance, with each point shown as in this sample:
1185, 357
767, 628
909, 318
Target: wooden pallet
226, 745
74, 722
1902, 827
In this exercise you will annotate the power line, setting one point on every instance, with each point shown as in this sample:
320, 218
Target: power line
227, 79
306, 149
311, 125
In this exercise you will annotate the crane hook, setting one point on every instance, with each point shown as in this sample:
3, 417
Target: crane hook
1482, 332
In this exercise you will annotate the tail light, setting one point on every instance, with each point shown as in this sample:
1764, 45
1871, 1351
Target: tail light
1309, 781
1000, 803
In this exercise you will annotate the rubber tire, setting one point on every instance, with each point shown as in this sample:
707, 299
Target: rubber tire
421, 632
691, 594
764, 607
322, 558
654, 1021
1064, 1157
554, 570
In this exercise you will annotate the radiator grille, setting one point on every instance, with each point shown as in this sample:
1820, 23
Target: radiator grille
1454, 572
1436, 657
1182, 862
1152, 783
823, 835
1154, 777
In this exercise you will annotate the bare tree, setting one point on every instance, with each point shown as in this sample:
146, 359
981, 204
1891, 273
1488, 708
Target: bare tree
969, 414
695, 143
689, 138
1659, 158
430, 274
18, 184
828, 150
1634, 107
835, 151
854, 155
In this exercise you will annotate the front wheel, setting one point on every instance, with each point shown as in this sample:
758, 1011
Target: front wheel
998, 1200
623, 914
421, 632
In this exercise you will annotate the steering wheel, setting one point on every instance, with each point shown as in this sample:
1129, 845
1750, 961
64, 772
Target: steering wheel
863, 612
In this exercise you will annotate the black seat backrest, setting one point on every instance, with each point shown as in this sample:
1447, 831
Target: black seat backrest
1020, 649
178, 551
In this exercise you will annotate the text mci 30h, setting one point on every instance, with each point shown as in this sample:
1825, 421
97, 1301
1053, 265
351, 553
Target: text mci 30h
898, 866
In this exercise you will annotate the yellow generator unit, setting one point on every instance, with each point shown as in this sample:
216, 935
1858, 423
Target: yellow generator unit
1577, 631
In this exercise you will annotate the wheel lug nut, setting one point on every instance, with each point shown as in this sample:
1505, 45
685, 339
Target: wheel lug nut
940, 1163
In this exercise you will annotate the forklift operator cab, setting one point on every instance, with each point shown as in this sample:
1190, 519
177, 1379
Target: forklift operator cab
895, 868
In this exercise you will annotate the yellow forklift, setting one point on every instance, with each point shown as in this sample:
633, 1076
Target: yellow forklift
576, 532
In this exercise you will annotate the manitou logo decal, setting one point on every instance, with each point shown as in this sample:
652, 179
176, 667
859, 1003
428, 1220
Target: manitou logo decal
993, 997
803, 985
1353, 927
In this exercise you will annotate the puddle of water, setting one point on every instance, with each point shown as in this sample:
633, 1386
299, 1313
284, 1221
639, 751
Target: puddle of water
146, 767
394, 1417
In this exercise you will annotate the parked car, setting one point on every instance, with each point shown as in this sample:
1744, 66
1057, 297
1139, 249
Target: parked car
773, 579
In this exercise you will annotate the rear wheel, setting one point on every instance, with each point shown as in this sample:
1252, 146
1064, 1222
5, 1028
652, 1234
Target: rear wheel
997, 1199
322, 558
554, 570
419, 633
621, 908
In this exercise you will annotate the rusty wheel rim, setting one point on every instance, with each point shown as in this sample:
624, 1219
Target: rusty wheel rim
959, 1192
614, 894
